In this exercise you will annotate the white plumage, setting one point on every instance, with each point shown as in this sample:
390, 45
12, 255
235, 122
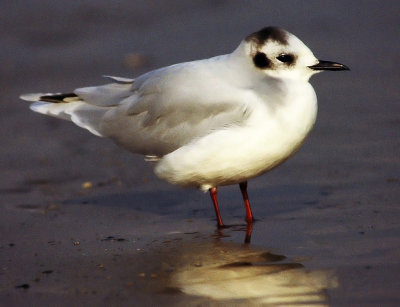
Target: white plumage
210, 122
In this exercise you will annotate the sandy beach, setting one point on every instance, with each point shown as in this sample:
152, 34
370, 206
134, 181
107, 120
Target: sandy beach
85, 223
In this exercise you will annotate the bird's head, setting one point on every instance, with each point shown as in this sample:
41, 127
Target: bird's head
279, 54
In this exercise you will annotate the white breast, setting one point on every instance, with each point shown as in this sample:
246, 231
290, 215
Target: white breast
271, 134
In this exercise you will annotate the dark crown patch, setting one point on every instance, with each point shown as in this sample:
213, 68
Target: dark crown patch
268, 33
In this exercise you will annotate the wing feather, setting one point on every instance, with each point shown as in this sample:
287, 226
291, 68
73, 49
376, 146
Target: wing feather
156, 113
171, 107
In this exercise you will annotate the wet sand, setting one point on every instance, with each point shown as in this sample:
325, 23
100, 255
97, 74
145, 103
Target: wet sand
83, 222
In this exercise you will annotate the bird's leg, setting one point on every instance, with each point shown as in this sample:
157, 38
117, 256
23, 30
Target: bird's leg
249, 229
213, 194
243, 189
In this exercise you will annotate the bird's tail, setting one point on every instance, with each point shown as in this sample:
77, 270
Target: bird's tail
69, 107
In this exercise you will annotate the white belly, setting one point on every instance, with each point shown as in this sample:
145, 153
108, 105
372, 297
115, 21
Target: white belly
238, 153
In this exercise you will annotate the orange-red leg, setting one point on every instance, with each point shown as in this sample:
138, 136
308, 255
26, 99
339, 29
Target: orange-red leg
213, 194
249, 230
243, 189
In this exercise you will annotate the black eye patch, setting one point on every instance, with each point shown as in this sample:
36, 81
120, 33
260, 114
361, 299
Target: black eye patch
260, 60
285, 58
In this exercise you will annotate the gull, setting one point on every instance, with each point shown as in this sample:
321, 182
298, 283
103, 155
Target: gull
211, 122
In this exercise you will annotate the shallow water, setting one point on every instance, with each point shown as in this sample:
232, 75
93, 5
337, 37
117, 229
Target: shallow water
84, 222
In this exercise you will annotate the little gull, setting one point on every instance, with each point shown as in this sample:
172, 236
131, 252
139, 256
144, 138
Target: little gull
210, 122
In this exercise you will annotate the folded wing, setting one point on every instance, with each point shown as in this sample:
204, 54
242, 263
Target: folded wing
153, 115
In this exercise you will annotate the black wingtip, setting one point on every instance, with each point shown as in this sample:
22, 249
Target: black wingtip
58, 98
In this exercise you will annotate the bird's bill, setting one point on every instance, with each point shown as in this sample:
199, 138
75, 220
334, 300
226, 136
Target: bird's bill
327, 65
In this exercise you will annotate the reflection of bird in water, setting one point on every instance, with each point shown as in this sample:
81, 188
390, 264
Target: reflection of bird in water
233, 274
247, 229
207, 123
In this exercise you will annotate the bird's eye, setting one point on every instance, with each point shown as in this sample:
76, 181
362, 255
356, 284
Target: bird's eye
285, 58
